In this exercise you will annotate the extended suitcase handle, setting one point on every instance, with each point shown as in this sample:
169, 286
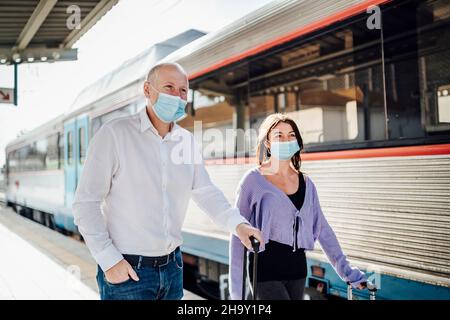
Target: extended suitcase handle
255, 246
255, 243
369, 286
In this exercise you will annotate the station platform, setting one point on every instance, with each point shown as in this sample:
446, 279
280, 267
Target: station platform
42, 264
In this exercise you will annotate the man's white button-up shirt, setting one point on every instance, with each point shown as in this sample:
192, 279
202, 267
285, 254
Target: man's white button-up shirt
135, 188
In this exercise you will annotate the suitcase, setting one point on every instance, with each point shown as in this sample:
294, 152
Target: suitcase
371, 287
255, 246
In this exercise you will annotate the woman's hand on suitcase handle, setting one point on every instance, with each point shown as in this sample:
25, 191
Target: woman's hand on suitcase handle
255, 243
244, 231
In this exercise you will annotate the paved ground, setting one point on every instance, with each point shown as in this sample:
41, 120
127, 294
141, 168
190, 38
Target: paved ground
29, 273
39, 263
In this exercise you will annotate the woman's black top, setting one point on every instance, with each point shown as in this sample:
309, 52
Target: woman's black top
278, 261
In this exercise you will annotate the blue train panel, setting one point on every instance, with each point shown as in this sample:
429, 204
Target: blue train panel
390, 287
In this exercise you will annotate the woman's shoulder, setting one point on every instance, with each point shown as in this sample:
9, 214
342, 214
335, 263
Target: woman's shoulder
250, 176
248, 187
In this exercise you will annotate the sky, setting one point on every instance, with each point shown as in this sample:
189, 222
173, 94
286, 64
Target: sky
48, 89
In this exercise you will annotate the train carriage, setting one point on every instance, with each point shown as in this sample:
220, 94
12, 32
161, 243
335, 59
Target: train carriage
368, 84
374, 117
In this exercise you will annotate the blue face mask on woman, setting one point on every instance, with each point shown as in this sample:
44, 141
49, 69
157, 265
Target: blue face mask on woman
284, 150
169, 108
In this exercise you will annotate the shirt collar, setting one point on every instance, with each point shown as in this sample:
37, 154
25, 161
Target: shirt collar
145, 121
147, 124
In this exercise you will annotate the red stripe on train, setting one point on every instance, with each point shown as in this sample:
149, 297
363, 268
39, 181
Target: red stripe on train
428, 150
290, 36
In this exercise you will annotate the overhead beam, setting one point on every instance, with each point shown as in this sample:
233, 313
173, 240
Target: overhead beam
33, 55
38, 17
100, 9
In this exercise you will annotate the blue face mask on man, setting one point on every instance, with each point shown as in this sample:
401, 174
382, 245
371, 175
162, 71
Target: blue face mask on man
284, 150
169, 108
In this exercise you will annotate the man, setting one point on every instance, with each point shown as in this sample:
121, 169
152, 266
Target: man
133, 194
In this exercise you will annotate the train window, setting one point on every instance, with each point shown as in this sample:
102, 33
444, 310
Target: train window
332, 85
25, 155
37, 156
417, 42
13, 163
20, 159
7, 163
61, 150
15, 166
69, 143
81, 145
34, 156
52, 152
347, 86
217, 107
129, 109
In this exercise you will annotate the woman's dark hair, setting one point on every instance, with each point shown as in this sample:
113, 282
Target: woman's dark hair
266, 127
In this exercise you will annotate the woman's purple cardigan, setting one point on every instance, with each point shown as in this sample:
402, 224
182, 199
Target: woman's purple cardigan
269, 209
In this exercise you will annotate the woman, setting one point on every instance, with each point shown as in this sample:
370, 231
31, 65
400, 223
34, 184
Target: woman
279, 199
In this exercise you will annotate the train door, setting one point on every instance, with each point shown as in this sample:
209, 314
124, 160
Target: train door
70, 169
75, 147
82, 142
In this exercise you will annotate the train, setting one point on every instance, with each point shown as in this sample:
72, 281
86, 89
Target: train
368, 83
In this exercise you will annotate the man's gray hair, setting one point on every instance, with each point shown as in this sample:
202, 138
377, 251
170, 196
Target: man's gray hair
153, 73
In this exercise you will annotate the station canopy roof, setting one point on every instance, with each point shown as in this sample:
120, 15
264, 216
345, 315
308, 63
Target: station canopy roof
45, 31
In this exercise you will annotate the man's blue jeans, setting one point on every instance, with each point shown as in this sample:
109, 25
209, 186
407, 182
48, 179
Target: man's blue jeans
155, 283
